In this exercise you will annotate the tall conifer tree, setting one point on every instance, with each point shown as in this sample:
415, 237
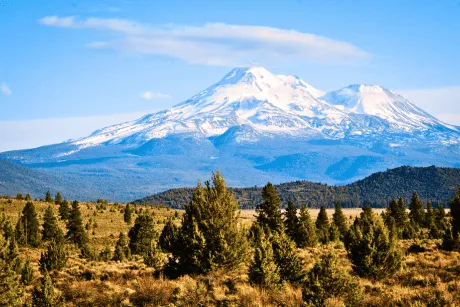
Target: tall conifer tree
268, 212
291, 221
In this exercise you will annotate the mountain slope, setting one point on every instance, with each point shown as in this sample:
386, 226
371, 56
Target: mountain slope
432, 183
255, 127
16, 179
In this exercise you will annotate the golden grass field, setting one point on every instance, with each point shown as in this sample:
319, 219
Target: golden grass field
429, 278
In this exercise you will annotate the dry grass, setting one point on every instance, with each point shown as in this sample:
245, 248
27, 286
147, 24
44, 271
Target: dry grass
428, 278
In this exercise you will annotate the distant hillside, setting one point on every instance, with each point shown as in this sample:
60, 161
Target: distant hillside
16, 179
432, 183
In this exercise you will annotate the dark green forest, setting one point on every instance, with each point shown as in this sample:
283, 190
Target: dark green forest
434, 184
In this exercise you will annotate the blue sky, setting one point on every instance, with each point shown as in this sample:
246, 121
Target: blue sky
69, 67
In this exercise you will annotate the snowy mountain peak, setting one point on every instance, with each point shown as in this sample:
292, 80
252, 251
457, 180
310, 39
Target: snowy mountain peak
266, 105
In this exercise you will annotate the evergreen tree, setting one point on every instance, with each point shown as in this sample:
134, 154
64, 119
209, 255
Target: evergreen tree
58, 198
417, 213
19, 197
210, 236
50, 225
44, 296
27, 228
440, 218
451, 236
122, 250
291, 221
64, 210
55, 257
325, 280
263, 270
397, 220
429, 215
48, 197
322, 226
76, 232
11, 289
28, 197
12, 256
169, 236
27, 273
306, 234
285, 255
127, 215
455, 213
153, 257
268, 213
334, 233
142, 234
370, 248
339, 220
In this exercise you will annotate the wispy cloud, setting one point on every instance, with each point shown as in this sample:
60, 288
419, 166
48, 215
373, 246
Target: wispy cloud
149, 95
443, 102
217, 44
5, 89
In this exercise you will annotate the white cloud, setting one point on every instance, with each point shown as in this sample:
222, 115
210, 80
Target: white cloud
149, 95
5, 89
443, 102
217, 43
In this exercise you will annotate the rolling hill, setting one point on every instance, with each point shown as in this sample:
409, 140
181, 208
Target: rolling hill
434, 184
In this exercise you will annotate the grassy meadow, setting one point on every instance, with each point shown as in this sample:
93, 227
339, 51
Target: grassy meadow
429, 277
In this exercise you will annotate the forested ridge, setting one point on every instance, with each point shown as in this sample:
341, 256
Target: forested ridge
435, 184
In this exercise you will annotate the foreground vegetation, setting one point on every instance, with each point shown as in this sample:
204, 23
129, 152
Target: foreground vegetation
56, 253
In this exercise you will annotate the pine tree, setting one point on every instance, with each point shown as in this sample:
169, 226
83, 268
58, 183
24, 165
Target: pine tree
451, 240
12, 256
76, 232
64, 210
263, 270
322, 226
122, 250
334, 233
339, 220
48, 197
58, 198
28, 197
306, 234
44, 295
440, 218
417, 213
50, 225
27, 228
27, 273
153, 257
397, 220
11, 289
285, 255
142, 234
291, 221
127, 215
325, 280
268, 213
168, 236
370, 248
455, 213
55, 256
210, 236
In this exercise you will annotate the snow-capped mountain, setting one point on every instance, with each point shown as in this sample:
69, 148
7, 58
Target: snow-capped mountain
274, 105
256, 126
